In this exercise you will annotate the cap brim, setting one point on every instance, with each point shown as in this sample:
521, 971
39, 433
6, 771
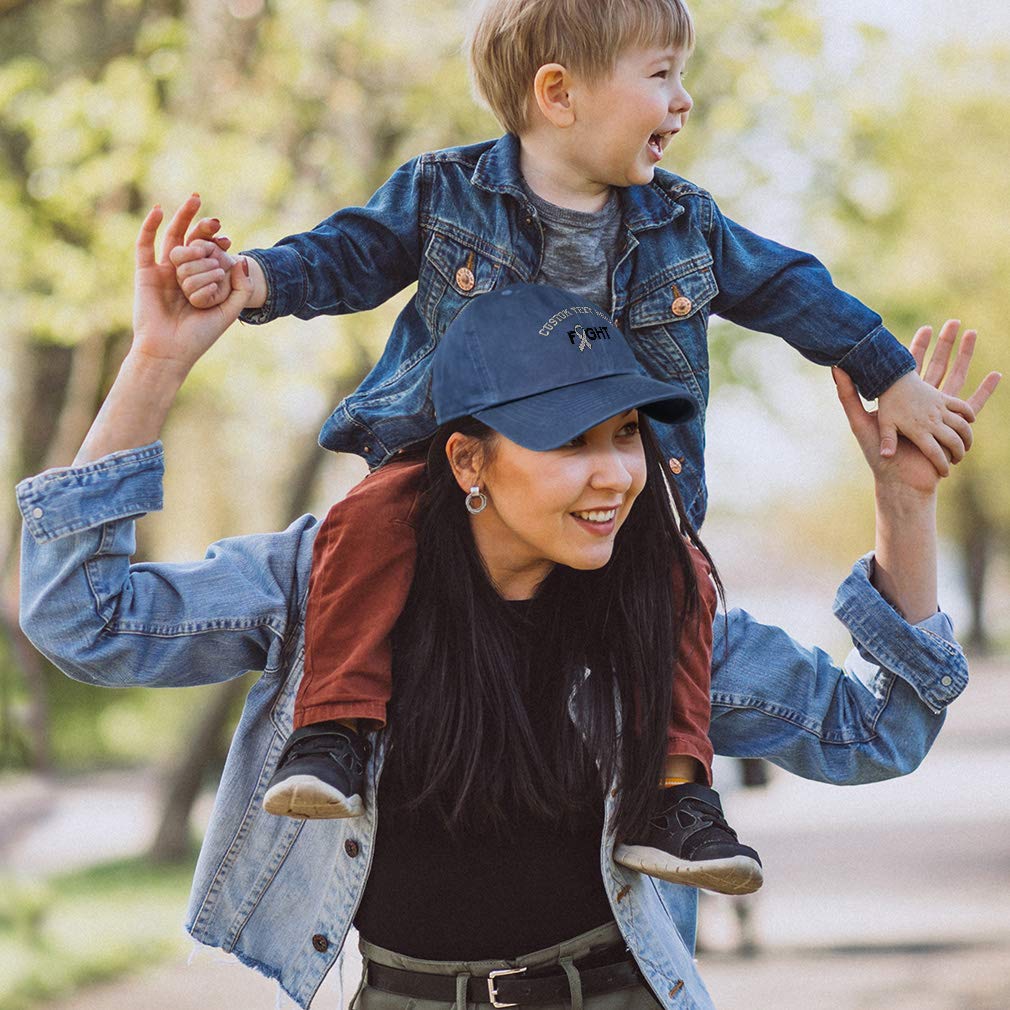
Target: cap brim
549, 419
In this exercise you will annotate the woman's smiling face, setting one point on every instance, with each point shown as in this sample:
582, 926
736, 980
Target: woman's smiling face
561, 506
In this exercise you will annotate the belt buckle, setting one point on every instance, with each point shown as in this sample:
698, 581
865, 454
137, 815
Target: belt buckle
491, 991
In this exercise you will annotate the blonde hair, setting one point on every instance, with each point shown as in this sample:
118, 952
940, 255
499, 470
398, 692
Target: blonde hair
511, 39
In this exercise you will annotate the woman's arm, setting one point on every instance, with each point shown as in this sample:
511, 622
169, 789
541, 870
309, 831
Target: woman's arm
876, 716
96, 616
904, 488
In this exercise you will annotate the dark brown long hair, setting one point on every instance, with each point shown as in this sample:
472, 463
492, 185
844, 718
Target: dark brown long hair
458, 728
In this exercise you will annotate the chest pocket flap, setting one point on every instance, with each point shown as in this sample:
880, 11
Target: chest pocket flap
675, 295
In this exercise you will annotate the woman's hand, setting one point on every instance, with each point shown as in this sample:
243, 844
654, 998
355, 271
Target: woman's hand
169, 337
169, 332
908, 470
904, 558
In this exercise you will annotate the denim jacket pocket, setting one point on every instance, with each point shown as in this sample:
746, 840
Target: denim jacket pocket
669, 319
454, 272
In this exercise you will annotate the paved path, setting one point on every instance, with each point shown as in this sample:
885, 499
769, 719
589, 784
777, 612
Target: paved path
894, 896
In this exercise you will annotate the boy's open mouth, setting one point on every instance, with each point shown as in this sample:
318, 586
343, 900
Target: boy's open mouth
656, 145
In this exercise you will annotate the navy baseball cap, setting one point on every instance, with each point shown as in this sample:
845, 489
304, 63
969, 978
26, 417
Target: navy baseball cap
540, 366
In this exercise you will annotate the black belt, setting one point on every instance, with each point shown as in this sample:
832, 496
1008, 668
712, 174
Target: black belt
509, 986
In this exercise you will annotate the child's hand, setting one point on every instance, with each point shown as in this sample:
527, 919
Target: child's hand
908, 469
202, 270
933, 419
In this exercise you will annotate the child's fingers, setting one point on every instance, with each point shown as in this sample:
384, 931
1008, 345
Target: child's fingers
205, 297
195, 267
934, 452
204, 228
185, 254
937, 367
191, 285
958, 406
959, 371
145, 239
985, 389
955, 437
222, 242
178, 225
920, 344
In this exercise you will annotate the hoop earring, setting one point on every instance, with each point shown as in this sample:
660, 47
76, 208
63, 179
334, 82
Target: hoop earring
475, 492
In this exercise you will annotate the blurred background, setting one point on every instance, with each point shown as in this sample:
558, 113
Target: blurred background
871, 133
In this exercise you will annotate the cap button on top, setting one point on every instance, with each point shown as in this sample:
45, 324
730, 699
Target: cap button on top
464, 278
681, 306
675, 464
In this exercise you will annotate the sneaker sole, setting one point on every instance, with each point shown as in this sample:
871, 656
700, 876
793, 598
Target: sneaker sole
304, 796
735, 875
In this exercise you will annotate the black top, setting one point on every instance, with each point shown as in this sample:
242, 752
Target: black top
492, 894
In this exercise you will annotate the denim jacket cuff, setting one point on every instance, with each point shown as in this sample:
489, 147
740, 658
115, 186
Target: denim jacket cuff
69, 499
287, 283
924, 655
877, 362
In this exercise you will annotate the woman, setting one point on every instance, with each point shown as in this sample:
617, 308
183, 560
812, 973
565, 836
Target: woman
282, 894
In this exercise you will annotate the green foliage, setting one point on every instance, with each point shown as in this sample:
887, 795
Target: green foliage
87, 926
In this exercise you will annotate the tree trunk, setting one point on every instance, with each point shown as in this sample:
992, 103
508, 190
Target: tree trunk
977, 541
172, 839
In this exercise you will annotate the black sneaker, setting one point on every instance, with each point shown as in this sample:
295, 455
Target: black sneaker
690, 842
321, 773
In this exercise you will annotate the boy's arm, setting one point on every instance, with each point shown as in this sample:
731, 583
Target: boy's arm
769, 287
354, 260
766, 286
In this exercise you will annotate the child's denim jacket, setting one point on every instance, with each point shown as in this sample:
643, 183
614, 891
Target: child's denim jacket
458, 222
281, 894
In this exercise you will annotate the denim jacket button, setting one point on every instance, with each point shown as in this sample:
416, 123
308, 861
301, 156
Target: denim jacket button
946, 681
464, 278
351, 847
675, 464
320, 943
681, 306
37, 513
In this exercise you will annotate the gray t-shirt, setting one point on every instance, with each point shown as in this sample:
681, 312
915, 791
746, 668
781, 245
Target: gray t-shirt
580, 248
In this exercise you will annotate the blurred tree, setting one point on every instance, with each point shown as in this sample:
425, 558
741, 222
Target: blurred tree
924, 186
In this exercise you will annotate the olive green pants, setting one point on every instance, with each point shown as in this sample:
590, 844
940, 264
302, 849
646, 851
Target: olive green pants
637, 997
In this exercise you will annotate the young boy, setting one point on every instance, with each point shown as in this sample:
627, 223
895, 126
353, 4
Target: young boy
590, 95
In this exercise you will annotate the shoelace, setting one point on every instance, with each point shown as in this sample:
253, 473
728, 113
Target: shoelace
337, 747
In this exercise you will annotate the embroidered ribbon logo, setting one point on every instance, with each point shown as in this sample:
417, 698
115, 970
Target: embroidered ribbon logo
580, 332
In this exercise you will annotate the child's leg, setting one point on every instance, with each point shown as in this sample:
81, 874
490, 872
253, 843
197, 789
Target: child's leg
362, 567
689, 841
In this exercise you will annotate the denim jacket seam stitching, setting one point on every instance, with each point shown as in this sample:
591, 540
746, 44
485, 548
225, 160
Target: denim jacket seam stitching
794, 719
123, 511
206, 910
702, 263
193, 628
449, 231
280, 854
123, 459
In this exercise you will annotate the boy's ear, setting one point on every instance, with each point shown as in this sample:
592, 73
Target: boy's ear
550, 90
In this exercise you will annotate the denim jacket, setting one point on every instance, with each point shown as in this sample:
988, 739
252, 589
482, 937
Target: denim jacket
281, 894
459, 223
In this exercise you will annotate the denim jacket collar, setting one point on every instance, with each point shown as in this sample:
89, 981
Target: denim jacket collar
643, 207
